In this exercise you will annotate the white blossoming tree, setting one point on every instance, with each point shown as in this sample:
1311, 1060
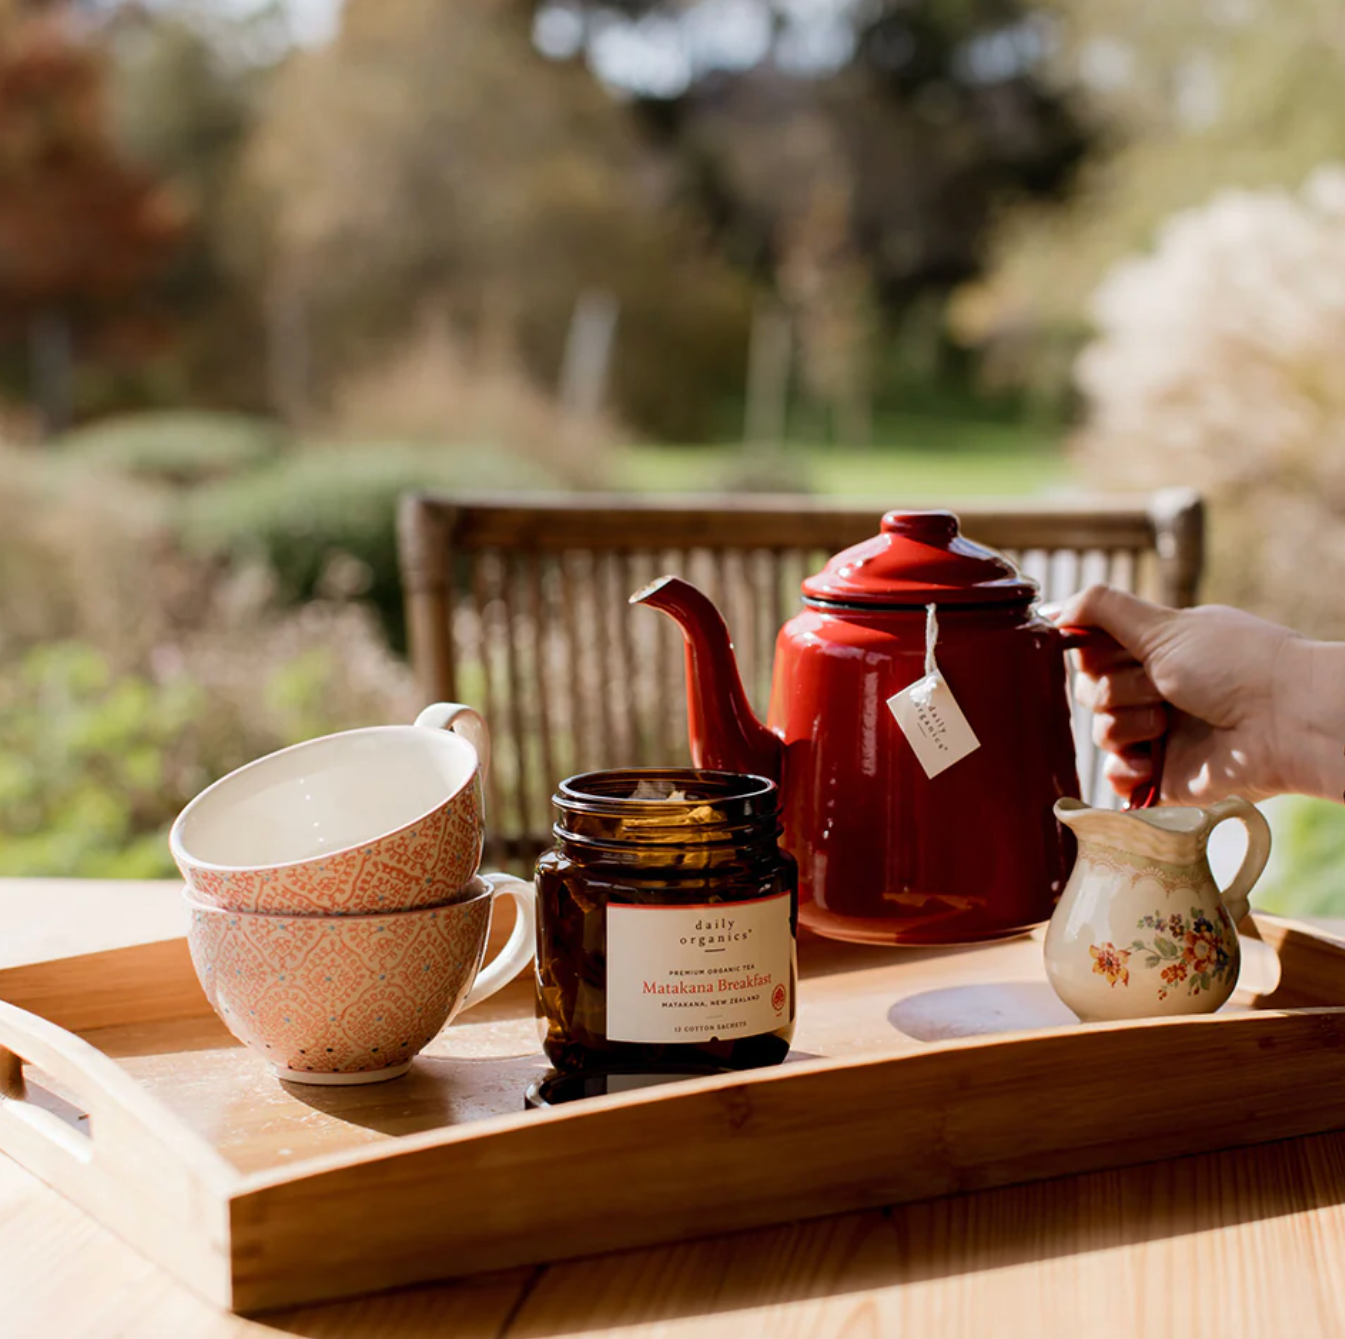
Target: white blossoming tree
1219, 362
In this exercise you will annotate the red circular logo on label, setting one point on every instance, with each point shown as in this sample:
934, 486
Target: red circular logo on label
778, 998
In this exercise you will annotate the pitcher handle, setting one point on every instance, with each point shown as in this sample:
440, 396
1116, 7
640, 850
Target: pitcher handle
518, 948
462, 720
1258, 851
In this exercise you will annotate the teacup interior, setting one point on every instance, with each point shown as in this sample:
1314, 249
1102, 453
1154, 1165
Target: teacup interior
325, 795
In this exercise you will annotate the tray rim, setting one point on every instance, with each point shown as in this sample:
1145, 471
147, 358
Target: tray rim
711, 1083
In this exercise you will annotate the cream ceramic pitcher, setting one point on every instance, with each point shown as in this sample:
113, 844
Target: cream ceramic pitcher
1141, 929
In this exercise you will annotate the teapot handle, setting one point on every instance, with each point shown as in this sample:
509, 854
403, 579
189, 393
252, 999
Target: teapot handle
1258, 851
1076, 639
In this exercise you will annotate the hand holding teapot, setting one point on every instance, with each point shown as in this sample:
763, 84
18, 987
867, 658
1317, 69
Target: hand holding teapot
1246, 707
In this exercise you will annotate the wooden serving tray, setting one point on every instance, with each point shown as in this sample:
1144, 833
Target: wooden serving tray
915, 1074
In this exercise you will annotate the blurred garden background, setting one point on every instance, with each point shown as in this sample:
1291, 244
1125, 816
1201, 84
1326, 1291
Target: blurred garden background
263, 266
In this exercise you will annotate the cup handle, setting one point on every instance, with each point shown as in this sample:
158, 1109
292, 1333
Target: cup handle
518, 949
1258, 851
462, 720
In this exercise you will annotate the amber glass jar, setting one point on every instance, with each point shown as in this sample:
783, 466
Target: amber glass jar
666, 916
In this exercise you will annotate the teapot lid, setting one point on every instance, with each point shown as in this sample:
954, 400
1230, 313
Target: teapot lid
919, 558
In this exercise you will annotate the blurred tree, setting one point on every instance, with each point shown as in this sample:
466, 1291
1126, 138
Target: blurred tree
184, 89
431, 158
80, 230
1196, 97
1217, 365
854, 155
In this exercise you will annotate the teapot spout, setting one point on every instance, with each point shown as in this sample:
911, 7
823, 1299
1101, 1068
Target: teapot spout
725, 734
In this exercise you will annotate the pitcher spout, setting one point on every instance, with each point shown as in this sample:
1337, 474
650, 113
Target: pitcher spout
1074, 814
725, 734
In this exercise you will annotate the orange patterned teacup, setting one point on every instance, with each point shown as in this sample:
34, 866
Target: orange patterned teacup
366, 821
353, 999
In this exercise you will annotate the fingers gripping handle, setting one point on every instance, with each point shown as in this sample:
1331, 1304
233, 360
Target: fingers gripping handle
1238, 892
462, 720
1079, 639
518, 949
1146, 793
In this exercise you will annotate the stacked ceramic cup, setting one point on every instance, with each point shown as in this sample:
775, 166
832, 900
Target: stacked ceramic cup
338, 920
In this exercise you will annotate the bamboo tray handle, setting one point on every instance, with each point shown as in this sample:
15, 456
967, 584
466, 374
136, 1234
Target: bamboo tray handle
16, 1106
124, 1120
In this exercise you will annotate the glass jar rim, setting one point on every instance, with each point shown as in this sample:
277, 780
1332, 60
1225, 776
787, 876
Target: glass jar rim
622, 806
585, 793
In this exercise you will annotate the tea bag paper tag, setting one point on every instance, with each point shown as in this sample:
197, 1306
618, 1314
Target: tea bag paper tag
929, 715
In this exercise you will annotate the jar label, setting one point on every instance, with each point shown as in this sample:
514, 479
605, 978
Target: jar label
691, 974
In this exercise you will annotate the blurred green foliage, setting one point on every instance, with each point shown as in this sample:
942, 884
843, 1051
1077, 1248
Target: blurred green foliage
300, 512
175, 447
94, 765
97, 762
296, 693
939, 461
1306, 876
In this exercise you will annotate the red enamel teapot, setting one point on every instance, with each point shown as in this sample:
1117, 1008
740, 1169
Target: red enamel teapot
887, 853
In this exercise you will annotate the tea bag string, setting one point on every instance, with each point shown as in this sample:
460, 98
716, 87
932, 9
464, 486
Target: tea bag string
931, 638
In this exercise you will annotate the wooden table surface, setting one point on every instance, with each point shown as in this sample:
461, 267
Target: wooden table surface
1243, 1243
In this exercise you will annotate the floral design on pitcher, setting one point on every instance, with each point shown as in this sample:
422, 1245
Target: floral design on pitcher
1190, 950
1110, 961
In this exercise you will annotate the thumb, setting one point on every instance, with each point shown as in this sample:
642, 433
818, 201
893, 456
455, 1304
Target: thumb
1129, 620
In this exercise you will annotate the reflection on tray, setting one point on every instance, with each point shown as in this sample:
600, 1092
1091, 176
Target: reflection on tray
979, 1009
